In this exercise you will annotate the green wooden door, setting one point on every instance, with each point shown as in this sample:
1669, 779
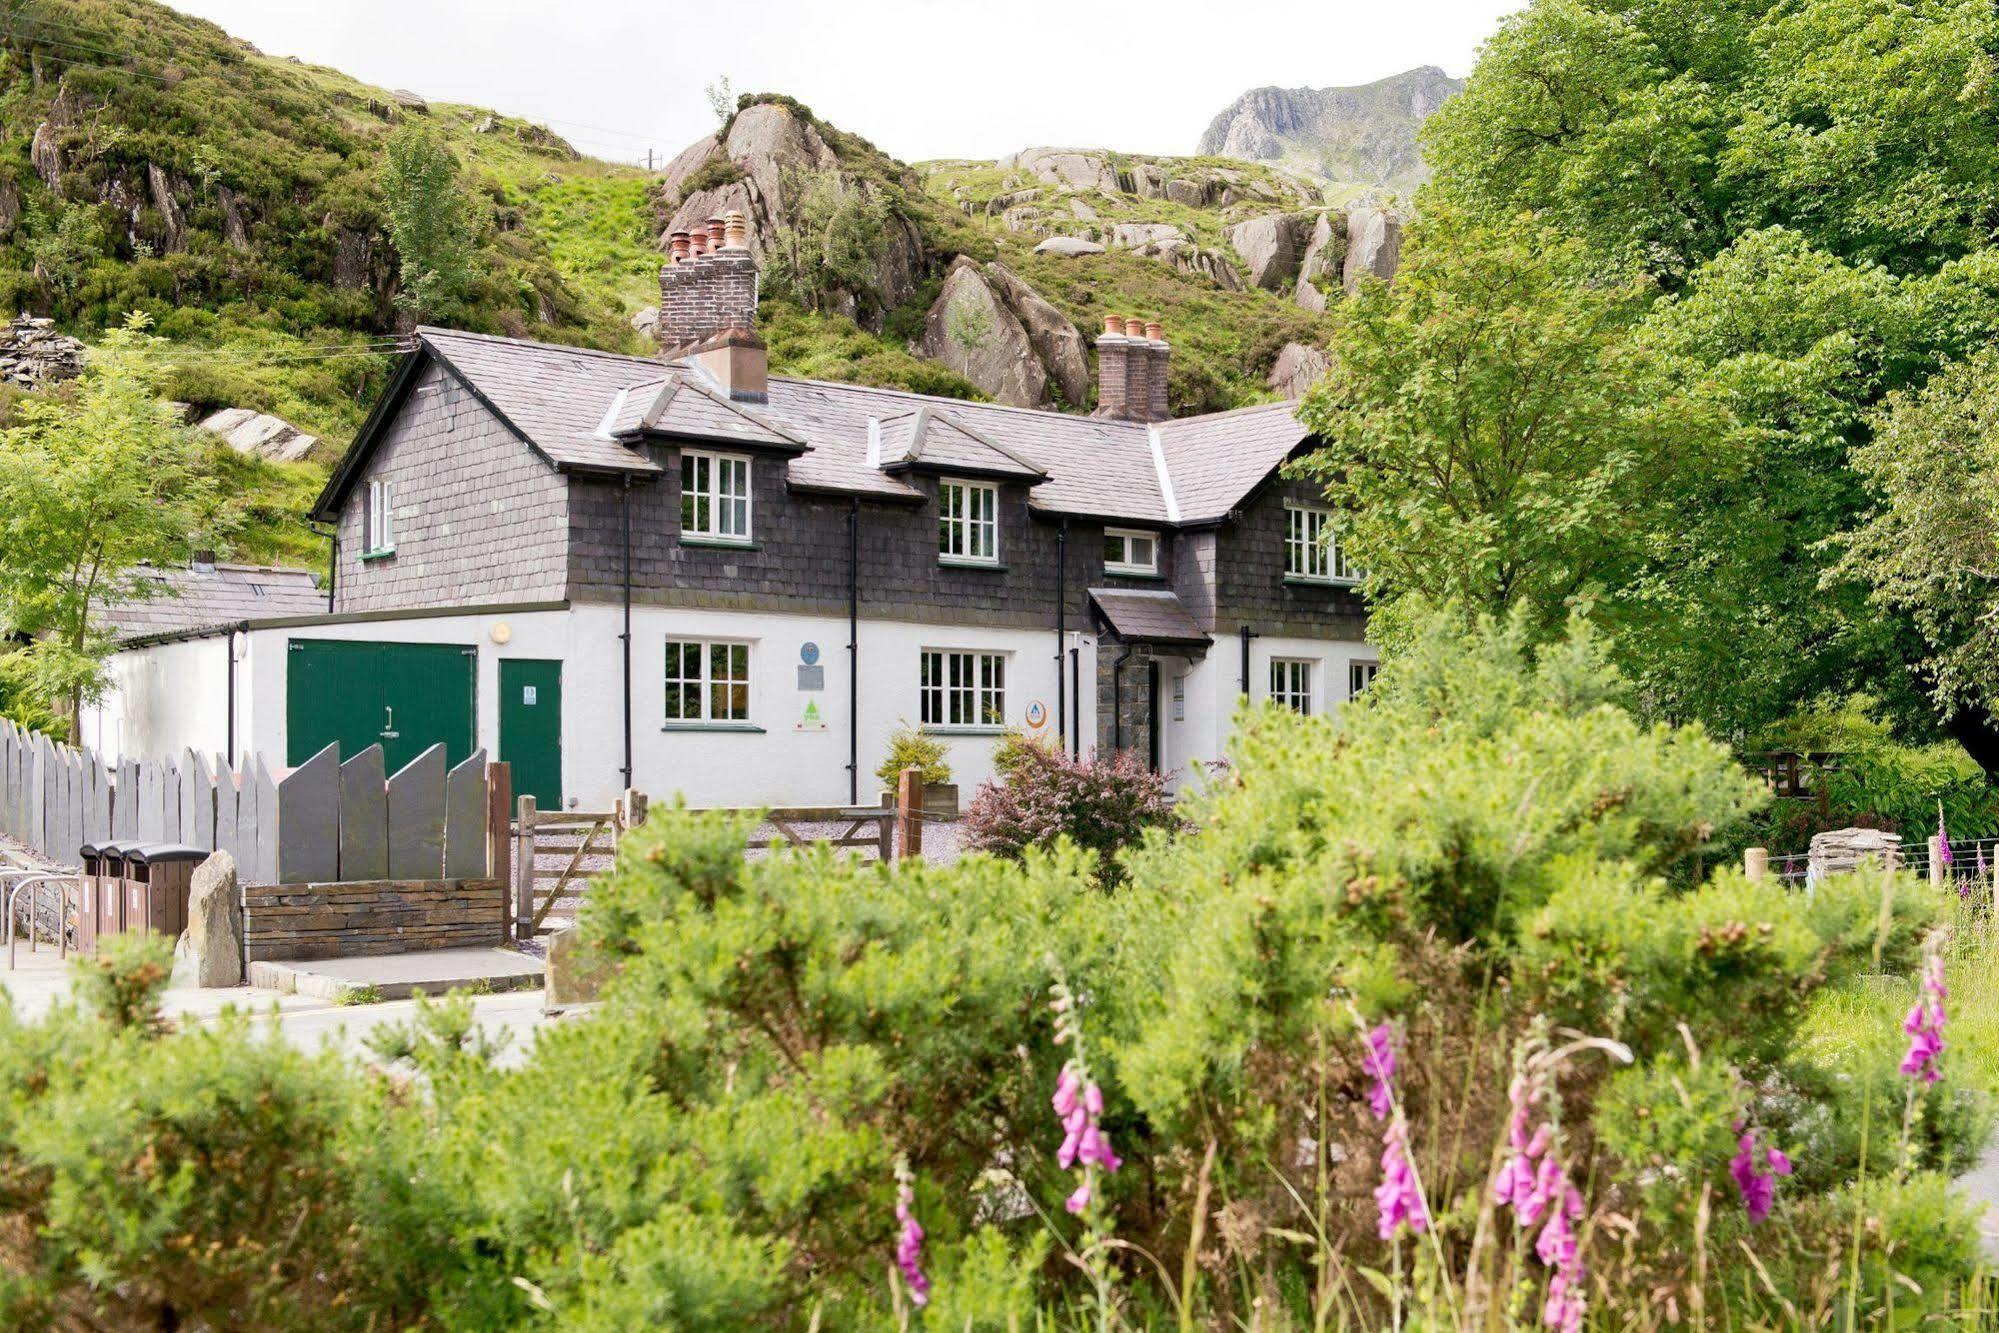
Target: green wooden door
531, 728
405, 697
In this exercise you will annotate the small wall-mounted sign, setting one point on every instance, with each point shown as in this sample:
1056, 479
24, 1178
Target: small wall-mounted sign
527, 696
502, 632
1037, 715
808, 653
812, 678
811, 719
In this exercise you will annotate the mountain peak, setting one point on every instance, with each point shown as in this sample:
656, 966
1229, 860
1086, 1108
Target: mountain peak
1363, 135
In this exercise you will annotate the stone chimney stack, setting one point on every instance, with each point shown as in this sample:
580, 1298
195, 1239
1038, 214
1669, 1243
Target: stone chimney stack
708, 305
1132, 361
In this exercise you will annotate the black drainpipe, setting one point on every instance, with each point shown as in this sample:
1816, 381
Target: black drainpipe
1246, 636
854, 653
625, 499
1061, 623
1117, 698
229, 749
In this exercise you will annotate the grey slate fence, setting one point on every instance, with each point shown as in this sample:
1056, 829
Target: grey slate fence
323, 822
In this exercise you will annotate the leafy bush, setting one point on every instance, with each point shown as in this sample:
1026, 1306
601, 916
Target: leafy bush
909, 747
1485, 853
1041, 793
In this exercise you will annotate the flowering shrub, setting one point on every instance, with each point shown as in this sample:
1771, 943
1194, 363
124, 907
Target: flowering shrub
1103, 805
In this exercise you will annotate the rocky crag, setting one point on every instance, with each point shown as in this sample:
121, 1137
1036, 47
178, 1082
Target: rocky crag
1364, 137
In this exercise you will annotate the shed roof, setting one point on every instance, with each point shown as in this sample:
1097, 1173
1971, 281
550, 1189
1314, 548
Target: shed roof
1147, 615
204, 597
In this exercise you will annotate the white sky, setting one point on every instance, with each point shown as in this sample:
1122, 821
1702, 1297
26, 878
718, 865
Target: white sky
921, 78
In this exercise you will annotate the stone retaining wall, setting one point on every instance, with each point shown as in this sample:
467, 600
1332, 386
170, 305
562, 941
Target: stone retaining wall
287, 921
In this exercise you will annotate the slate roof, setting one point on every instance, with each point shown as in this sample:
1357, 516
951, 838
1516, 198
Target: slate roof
193, 599
1148, 615
588, 410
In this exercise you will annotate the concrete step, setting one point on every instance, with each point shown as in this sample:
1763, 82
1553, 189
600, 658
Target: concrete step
400, 975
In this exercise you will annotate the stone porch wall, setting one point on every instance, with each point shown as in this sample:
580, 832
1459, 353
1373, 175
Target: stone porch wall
288, 921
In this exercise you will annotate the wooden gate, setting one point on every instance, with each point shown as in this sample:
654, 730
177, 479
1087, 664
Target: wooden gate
556, 852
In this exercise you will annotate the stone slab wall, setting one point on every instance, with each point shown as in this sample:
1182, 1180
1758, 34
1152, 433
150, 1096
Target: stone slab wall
288, 921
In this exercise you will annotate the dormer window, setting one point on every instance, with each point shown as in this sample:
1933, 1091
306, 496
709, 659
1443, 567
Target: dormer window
1130, 552
967, 523
714, 497
1312, 551
379, 537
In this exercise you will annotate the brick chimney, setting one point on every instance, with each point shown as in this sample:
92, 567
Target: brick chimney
1132, 361
708, 305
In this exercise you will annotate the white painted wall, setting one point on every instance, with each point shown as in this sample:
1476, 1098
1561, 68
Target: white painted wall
163, 699
173, 696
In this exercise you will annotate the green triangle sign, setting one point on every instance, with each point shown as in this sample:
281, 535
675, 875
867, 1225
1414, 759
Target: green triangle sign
812, 713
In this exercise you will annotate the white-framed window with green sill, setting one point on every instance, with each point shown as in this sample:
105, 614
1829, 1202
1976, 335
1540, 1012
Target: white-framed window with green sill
1360, 675
379, 519
707, 681
968, 522
963, 689
1312, 551
714, 496
1129, 551
1291, 683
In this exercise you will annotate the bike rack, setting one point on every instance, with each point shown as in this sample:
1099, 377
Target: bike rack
34, 880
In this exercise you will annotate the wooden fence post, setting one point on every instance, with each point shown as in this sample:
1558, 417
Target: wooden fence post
1755, 862
909, 811
524, 866
499, 805
631, 809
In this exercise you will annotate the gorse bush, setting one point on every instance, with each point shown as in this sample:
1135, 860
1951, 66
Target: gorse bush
910, 748
1041, 793
1270, 1082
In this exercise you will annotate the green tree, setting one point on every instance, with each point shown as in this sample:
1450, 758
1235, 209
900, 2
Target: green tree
1930, 548
427, 221
1495, 434
95, 483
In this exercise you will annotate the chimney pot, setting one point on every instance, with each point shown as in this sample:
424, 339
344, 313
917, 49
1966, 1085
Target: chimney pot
680, 246
697, 244
718, 231
1134, 327
736, 232
1114, 325
1155, 330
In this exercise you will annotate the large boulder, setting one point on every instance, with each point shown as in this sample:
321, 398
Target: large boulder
1840, 850
1272, 247
209, 952
1070, 246
1055, 340
1189, 258
973, 332
1131, 235
1298, 367
1374, 245
1073, 168
259, 433
1323, 261
33, 354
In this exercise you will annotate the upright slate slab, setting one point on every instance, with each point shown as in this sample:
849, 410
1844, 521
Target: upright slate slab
99, 826
37, 832
149, 829
10, 779
169, 800
308, 824
125, 802
364, 817
465, 819
258, 777
227, 837
416, 817
196, 799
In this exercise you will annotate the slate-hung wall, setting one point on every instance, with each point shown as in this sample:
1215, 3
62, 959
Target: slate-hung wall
797, 559
1250, 587
479, 517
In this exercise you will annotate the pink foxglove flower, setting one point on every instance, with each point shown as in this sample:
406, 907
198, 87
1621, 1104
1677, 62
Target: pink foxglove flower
909, 1239
1943, 838
1397, 1198
1757, 1182
1534, 1182
1078, 1103
1925, 1022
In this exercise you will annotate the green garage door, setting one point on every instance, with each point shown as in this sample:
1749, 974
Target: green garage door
405, 697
